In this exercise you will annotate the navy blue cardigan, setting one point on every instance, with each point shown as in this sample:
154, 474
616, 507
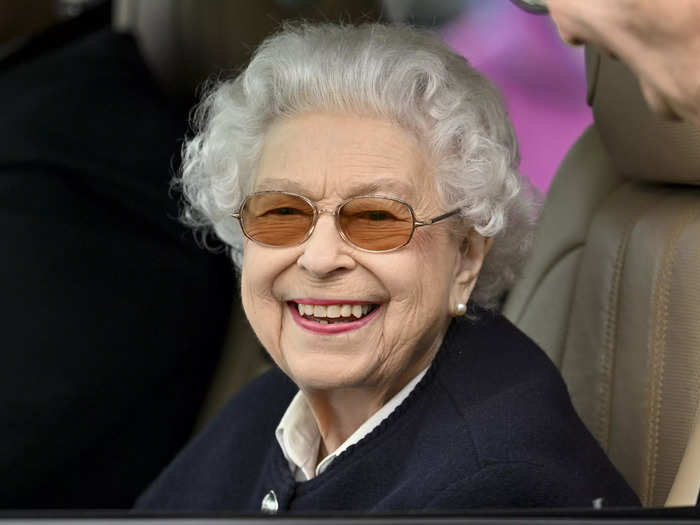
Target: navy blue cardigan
489, 425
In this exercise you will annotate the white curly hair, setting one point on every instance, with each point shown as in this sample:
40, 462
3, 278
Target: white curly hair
395, 72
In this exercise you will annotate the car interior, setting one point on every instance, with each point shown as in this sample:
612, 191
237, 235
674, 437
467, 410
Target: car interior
610, 291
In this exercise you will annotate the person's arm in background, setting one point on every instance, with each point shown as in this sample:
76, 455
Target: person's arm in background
658, 40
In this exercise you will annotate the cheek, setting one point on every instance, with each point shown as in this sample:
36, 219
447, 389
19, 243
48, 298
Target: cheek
435, 259
263, 310
422, 286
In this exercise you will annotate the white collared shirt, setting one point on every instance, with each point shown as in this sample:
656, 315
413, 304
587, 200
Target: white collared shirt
299, 437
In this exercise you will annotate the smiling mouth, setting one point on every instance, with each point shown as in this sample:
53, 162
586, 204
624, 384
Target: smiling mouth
333, 313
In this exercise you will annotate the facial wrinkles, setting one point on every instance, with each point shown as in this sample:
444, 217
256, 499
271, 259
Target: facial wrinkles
300, 170
384, 157
401, 309
260, 301
357, 287
327, 170
385, 161
406, 307
330, 159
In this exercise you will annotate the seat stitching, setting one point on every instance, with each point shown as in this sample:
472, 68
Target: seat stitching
657, 352
609, 338
606, 360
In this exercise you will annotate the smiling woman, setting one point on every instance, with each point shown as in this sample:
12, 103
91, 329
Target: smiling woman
330, 157
361, 175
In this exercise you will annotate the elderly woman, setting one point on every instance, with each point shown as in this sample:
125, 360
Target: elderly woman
360, 176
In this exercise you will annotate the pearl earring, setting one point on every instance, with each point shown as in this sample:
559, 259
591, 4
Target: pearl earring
460, 309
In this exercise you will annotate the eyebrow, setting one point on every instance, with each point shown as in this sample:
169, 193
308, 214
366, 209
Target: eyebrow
378, 186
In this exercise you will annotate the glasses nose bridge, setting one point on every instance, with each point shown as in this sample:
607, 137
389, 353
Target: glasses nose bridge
334, 212
329, 211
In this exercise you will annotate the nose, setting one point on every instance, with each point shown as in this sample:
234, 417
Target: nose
325, 252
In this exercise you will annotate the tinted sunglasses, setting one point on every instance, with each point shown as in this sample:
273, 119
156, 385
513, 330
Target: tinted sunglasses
370, 223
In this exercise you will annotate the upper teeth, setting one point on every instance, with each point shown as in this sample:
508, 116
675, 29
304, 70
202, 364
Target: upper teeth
333, 311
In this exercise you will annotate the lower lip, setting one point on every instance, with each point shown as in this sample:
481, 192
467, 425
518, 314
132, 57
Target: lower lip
330, 328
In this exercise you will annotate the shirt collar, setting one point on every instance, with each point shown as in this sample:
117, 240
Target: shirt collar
299, 438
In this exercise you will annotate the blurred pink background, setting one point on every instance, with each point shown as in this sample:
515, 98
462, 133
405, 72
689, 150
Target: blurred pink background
542, 79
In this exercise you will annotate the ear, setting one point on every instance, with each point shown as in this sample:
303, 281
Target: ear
470, 258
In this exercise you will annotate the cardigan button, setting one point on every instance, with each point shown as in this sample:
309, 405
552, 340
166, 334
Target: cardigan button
269, 503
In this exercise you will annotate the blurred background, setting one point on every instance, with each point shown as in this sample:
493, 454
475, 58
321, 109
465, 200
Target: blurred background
542, 79
121, 334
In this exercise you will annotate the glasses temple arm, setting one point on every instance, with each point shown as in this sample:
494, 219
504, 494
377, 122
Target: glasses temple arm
428, 222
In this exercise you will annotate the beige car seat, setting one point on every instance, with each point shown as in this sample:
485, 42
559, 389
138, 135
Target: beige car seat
185, 42
612, 291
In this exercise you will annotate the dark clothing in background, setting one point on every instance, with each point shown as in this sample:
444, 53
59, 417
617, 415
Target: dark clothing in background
112, 318
489, 425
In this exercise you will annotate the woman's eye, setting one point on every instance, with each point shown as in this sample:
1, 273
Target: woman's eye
377, 215
283, 211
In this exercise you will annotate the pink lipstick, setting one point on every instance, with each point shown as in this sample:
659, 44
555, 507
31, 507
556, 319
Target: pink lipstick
335, 327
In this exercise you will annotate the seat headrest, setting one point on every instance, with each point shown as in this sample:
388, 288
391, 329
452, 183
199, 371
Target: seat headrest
186, 41
642, 145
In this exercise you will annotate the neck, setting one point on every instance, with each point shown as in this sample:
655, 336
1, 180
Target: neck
340, 412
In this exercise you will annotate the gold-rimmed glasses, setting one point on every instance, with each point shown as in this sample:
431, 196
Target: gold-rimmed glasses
372, 223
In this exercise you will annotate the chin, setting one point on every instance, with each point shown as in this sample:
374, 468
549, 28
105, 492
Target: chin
326, 376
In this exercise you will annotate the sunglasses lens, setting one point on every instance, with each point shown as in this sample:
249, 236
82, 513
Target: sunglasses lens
376, 224
277, 219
